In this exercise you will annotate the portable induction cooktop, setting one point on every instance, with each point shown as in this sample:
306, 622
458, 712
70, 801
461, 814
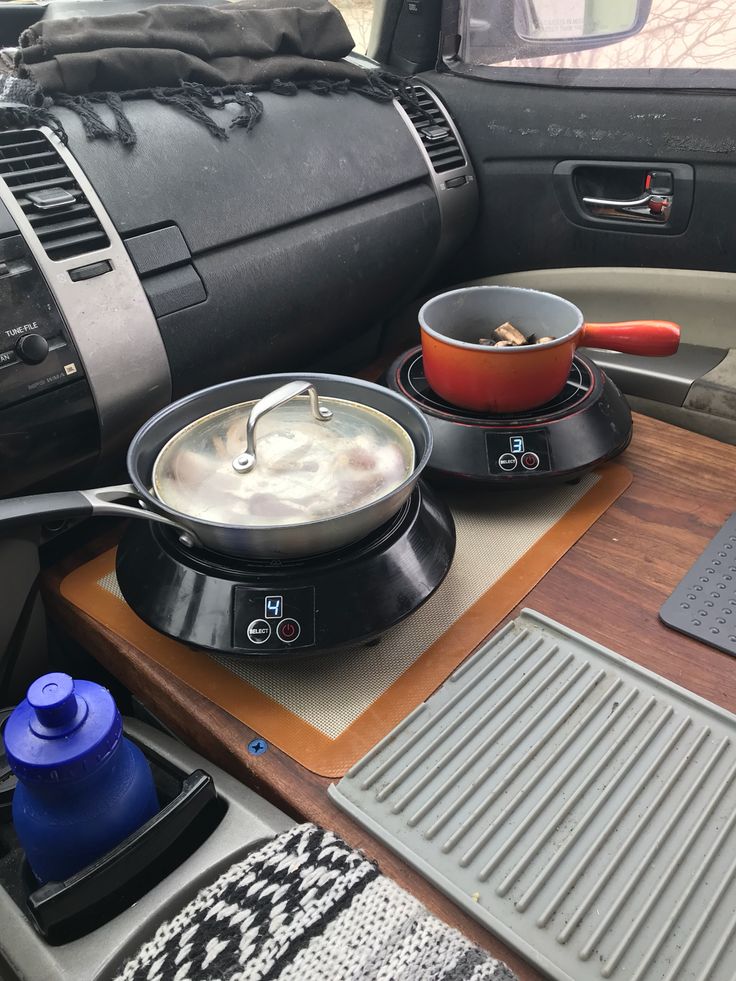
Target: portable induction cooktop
271, 608
588, 422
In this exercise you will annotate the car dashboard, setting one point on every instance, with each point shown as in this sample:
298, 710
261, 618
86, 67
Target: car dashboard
138, 275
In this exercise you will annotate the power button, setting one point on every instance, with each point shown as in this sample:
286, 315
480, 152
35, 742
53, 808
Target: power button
530, 461
288, 630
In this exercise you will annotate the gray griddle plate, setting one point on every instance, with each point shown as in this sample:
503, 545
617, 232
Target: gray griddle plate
581, 807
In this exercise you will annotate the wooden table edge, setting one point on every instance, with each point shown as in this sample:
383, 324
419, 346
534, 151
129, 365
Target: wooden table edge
303, 795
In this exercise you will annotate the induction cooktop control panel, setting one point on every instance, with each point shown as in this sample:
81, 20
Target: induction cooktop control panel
273, 620
518, 454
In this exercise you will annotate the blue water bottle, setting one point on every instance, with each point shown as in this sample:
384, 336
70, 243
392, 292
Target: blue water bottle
82, 786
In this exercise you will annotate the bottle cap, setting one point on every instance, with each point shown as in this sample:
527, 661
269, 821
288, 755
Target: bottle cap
62, 731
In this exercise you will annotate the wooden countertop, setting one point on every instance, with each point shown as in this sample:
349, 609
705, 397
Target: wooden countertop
609, 586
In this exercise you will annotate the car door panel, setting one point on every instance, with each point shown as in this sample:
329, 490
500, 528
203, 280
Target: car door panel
519, 134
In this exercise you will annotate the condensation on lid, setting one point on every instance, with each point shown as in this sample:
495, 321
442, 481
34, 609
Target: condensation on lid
306, 469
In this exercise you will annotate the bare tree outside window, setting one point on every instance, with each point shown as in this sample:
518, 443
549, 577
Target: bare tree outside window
358, 16
678, 34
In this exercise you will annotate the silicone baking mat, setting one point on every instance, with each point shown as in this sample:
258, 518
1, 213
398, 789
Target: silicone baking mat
326, 712
579, 806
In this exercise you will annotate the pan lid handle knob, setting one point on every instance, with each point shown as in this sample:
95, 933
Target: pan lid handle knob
246, 461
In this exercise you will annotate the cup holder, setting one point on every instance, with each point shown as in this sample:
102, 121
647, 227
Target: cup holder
64, 911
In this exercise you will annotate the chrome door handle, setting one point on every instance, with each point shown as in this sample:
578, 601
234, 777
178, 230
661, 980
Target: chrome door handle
647, 208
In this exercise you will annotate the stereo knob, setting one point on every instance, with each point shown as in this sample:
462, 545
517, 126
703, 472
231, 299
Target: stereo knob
32, 348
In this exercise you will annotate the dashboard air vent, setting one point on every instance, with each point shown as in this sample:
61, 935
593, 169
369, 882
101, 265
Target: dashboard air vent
44, 187
435, 131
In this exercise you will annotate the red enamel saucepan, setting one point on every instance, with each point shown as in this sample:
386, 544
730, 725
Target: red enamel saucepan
510, 379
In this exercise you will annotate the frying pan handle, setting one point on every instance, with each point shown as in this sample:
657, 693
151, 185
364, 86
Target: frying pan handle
103, 501
650, 338
245, 461
16, 512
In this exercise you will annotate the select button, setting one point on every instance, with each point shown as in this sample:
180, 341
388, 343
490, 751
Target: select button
259, 631
507, 461
288, 630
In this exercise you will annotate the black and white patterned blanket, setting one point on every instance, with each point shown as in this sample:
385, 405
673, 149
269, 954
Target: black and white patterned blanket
306, 907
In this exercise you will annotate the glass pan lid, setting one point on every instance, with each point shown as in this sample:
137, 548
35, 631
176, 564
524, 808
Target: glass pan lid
306, 465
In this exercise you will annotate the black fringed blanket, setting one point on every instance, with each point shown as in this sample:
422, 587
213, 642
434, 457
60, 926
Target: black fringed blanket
193, 58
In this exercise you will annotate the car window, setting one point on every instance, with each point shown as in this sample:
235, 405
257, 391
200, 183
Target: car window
602, 34
358, 16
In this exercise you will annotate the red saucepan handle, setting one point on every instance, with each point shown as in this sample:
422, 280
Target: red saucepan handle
650, 338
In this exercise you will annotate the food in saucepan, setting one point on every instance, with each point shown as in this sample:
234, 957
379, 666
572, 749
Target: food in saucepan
509, 336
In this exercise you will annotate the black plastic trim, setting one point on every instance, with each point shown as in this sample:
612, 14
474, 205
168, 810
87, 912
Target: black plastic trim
158, 250
649, 79
174, 290
62, 911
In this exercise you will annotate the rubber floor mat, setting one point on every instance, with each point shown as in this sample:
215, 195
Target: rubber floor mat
703, 605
